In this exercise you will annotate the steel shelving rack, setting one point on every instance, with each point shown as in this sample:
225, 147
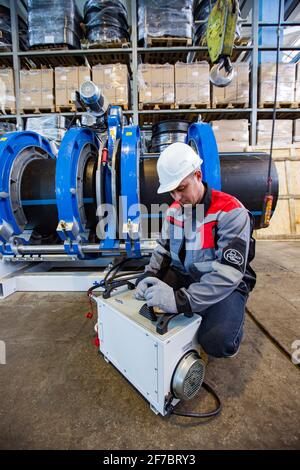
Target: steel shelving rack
132, 56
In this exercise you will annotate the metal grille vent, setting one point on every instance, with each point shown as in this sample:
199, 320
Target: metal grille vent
188, 376
193, 380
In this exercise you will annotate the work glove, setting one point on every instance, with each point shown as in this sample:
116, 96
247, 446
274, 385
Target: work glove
160, 295
143, 275
142, 287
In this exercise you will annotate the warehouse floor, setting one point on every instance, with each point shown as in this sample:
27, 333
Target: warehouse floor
57, 392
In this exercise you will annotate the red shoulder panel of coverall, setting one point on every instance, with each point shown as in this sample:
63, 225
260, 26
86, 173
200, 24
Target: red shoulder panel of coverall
222, 202
219, 202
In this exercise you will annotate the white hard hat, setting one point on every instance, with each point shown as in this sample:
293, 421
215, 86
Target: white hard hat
175, 163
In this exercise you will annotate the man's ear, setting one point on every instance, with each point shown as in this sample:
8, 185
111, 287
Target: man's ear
198, 174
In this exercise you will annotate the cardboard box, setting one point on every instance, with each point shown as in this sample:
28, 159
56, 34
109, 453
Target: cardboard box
84, 74
47, 78
145, 83
47, 98
66, 83
231, 135
286, 83
192, 83
237, 91
156, 83
297, 85
296, 134
30, 88
36, 88
47, 95
282, 133
113, 81
7, 90
30, 98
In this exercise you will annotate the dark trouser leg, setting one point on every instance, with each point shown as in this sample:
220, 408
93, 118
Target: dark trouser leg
221, 329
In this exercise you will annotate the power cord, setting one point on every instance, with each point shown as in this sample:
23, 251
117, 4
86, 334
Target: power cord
208, 414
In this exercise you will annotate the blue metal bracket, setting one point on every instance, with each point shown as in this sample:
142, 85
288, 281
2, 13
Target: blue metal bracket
201, 138
114, 121
10, 147
70, 227
130, 189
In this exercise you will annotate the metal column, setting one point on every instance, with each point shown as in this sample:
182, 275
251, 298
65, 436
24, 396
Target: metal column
267, 36
134, 62
16, 59
254, 72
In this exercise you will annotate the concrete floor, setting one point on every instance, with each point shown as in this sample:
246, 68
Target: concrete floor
57, 392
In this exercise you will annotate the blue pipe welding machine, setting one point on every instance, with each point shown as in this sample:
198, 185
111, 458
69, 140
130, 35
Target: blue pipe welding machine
56, 203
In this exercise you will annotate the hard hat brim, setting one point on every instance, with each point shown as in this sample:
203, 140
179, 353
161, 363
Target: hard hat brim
166, 188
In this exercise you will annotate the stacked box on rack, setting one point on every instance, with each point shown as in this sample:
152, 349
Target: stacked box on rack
192, 83
47, 86
156, 83
7, 127
232, 135
52, 126
285, 87
297, 87
36, 88
67, 82
237, 92
7, 90
53, 22
296, 133
164, 18
282, 133
30, 89
113, 80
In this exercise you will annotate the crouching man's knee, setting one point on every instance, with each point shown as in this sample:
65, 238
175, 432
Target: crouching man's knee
218, 343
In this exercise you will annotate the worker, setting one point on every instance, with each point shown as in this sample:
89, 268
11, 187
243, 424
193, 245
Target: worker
207, 273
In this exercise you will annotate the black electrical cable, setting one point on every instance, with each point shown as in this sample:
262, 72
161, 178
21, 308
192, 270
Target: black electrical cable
72, 120
116, 267
107, 281
208, 414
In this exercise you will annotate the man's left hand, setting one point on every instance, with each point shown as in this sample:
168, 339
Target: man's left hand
161, 295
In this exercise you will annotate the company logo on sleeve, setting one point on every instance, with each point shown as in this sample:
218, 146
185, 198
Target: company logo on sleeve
234, 256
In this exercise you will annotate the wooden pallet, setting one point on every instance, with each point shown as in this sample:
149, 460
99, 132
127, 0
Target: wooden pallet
116, 44
52, 47
4, 48
281, 104
230, 105
8, 111
192, 106
156, 106
168, 41
242, 41
68, 108
38, 110
280, 152
125, 107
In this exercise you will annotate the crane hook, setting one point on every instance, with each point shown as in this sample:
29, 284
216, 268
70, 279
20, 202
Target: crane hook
215, 76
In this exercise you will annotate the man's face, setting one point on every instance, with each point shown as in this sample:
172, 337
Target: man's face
189, 190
